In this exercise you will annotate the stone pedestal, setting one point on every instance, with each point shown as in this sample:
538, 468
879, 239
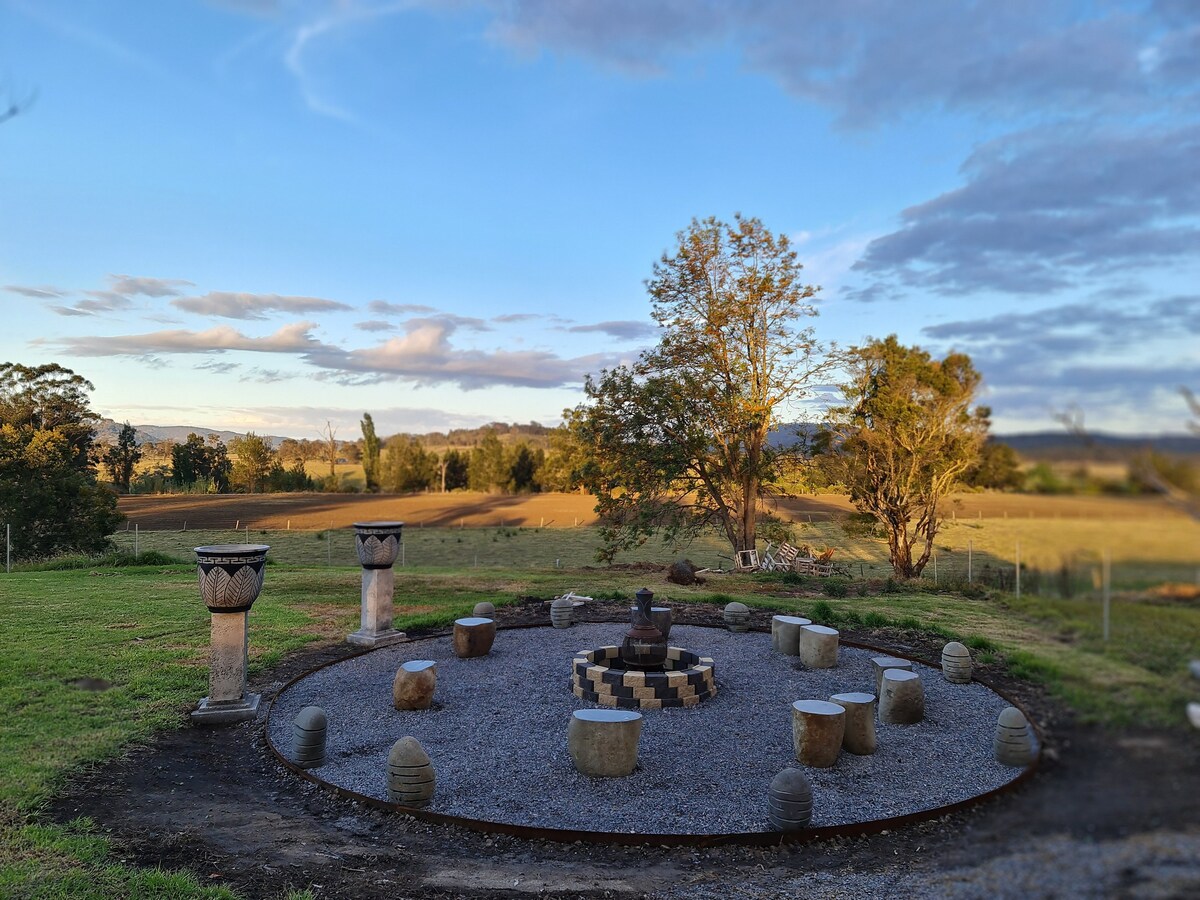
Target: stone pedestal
473, 636
308, 737
227, 700
562, 612
484, 609
859, 736
817, 646
604, 742
414, 684
378, 545
410, 776
785, 634
817, 731
902, 701
737, 616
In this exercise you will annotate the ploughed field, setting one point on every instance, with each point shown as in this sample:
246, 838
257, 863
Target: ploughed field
473, 510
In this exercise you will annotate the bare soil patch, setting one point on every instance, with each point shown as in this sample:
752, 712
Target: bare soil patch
215, 802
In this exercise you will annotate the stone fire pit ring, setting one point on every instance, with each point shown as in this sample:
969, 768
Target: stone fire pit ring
598, 676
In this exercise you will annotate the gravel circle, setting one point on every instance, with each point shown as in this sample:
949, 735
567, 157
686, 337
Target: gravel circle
497, 736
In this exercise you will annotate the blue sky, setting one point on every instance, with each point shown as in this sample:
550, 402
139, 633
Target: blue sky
266, 215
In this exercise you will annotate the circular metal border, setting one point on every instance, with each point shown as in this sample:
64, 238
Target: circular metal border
743, 838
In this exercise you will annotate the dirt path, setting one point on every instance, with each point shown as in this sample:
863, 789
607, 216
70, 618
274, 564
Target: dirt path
1107, 815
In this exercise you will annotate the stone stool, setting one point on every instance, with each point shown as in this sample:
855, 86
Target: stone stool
473, 636
859, 737
817, 646
789, 800
484, 609
604, 742
737, 617
817, 730
1014, 739
785, 634
308, 738
956, 663
562, 612
410, 777
880, 663
414, 684
902, 701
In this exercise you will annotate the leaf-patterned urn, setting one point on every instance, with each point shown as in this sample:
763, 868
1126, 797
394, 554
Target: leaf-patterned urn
377, 543
231, 575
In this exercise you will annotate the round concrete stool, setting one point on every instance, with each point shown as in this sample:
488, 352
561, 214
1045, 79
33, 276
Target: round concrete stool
473, 636
604, 742
880, 663
817, 646
785, 634
789, 800
956, 663
1014, 739
414, 684
903, 699
860, 722
818, 727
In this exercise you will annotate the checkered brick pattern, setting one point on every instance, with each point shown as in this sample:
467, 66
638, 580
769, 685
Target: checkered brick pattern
688, 679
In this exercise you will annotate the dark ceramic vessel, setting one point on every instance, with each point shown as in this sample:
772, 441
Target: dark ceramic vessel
231, 575
377, 543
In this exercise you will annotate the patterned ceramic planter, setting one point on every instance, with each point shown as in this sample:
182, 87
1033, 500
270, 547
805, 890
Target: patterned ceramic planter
231, 575
377, 543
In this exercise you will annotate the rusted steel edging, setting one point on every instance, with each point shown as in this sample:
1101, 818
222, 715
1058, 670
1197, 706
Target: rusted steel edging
566, 835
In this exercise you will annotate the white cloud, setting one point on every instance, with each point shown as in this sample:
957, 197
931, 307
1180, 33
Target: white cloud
253, 306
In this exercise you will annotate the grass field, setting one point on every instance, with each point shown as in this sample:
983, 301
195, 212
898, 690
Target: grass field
143, 632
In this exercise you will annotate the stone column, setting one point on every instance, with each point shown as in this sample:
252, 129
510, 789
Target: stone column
231, 577
378, 545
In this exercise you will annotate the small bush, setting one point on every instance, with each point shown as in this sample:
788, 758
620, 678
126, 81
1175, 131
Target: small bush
821, 612
875, 620
978, 642
835, 587
910, 622
1023, 664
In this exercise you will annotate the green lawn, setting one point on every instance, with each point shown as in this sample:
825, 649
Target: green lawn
144, 630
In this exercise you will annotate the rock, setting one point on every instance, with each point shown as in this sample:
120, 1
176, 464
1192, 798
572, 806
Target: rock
414, 684
1014, 739
410, 776
737, 616
817, 731
902, 701
789, 800
473, 636
308, 737
956, 663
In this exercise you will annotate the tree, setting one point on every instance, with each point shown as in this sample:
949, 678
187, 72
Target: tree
121, 459
677, 441
200, 462
454, 470
523, 471
329, 436
489, 470
997, 468
255, 460
48, 489
407, 466
905, 436
370, 453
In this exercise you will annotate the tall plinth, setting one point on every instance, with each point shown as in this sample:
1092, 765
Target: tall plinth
378, 545
231, 578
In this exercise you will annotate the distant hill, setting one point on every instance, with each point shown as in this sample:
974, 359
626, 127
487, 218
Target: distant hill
107, 431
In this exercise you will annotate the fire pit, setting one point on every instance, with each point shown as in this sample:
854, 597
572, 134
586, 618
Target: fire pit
642, 673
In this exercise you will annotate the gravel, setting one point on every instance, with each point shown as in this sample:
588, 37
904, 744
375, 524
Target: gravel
497, 737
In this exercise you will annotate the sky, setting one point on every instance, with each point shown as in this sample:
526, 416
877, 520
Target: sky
268, 215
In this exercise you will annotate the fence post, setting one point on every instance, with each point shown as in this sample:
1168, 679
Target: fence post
136, 535
969, 579
1106, 568
8, 548
935, 578
1018, 570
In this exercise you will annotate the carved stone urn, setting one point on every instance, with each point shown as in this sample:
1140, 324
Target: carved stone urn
231, 578
378, 545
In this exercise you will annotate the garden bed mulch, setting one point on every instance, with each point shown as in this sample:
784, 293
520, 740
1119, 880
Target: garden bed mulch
214, 801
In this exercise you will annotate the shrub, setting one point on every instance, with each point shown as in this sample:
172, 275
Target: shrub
835, 587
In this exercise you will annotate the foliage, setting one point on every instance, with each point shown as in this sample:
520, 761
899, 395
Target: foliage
454, 470
997, 468
408, 466
489, 470
370, 453
48, 489
121, 458
677, 442
254, 461
196, 460
905, 437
